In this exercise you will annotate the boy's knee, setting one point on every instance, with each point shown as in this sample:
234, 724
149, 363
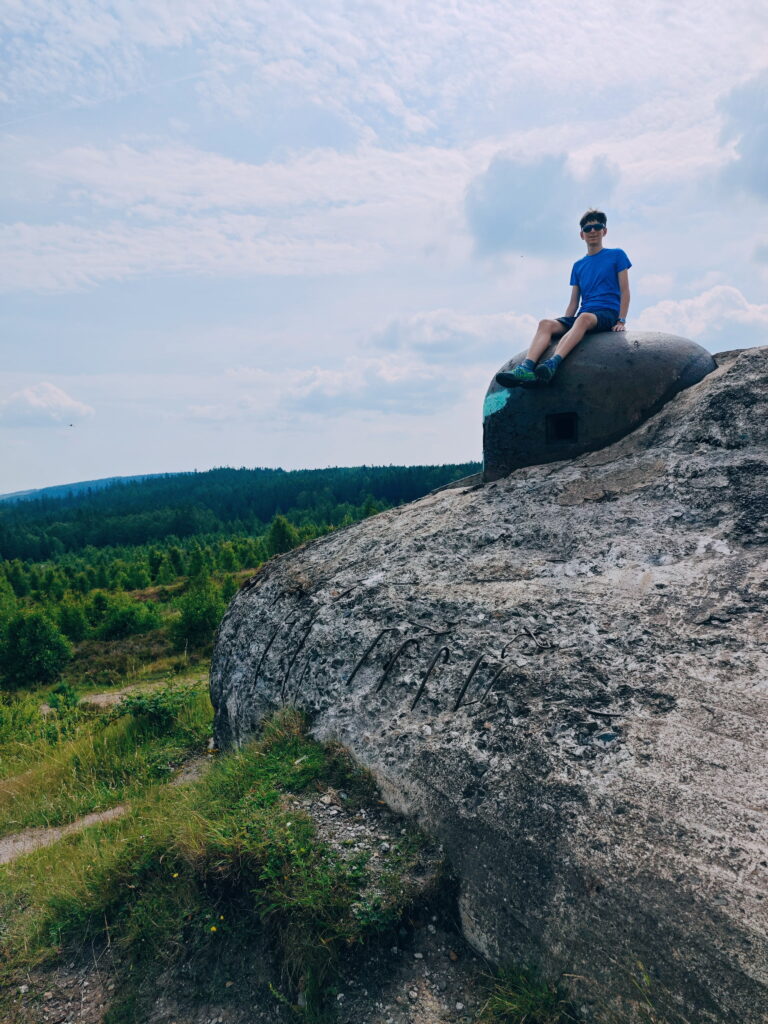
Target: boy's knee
549, 325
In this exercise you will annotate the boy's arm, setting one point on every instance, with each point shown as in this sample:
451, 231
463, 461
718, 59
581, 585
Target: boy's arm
624, 306
573, 305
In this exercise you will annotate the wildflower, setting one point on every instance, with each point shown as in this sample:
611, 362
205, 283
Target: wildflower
214, 928
175, 874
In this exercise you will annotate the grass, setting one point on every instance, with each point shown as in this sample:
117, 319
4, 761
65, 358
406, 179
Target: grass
521, 996
27, 732
100, 664
193, 873
109, 759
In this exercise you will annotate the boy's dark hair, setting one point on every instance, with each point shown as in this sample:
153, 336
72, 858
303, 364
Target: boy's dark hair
593, 216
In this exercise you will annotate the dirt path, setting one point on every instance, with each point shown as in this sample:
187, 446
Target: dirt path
31, 839
111, 697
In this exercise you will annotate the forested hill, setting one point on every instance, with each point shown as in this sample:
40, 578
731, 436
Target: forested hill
67, 490
220, 501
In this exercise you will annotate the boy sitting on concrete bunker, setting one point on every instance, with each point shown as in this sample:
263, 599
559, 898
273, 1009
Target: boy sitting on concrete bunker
601, 280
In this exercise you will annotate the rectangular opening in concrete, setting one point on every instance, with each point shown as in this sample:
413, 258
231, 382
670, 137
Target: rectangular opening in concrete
562, 426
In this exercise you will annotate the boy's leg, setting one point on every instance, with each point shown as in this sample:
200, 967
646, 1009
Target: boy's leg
542, 339
547, 370
584, 322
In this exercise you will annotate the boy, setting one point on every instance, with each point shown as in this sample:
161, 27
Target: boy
601, 280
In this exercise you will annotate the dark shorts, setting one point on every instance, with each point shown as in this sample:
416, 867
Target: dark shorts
606, 320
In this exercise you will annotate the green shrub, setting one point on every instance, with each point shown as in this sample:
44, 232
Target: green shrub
228, 588
98, 606
281, 536
73, 622
158, 708
63, 697
201, 610
33, 651
126, 617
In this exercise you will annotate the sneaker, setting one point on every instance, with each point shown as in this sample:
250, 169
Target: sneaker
544, 373
514, 378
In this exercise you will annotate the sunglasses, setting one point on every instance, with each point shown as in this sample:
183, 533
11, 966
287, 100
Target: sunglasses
593, 227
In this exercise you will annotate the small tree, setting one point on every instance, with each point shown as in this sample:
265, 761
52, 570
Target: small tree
201, 610
228, 588
7, 598
73, 621
33, 651
281, 536
137, 576
165, 572
225, 558
127, 618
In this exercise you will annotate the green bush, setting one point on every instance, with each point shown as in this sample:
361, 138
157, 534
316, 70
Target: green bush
63, 697
33, 651
161, 709
98, 606
201, 610
7, 598
228, 588
73, 622
128, 618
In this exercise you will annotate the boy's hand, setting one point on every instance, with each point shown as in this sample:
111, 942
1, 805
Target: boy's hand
619, 327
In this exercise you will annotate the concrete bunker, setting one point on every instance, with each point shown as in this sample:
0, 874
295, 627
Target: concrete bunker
605, 388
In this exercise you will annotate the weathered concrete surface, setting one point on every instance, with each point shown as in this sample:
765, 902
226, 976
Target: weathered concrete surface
607, 387
607, 803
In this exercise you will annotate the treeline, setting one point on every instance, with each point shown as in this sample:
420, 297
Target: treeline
239, 501
174, 585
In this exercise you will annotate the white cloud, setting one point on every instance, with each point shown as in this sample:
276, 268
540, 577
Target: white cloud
721, 310
532, 205
42, 405
746, 123
65, 257
376, 386
189, 179
190, 211
655, 284
449, 335
387, 385
379, 63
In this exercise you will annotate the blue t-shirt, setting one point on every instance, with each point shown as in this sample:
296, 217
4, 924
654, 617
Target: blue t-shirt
597, 276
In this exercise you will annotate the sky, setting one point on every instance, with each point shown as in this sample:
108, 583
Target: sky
301, 234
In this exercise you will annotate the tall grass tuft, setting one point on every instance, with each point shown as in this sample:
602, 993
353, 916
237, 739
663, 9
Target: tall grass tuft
521, 996
28, 729
140, 742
